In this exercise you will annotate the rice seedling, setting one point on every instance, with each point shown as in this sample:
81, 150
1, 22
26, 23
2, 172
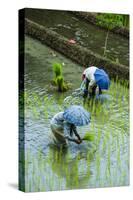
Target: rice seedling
98, 162
57, 69
61, 85
88, 137
118, 152
58, 78
104, 144
98, 138
108, 160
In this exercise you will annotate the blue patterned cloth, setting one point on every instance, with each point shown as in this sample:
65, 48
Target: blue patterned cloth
102, 79
77, 115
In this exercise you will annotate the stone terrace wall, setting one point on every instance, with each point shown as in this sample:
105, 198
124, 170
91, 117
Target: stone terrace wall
75, 52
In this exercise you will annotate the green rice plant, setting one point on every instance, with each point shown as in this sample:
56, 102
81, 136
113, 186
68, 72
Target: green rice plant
98, 138
123, 177
108, 159
58, 78
57, 69
110, 21
107, 173
93, 107
46, 113
88, 137
104, 144
62, 87
98, 163
118, 157
35, 113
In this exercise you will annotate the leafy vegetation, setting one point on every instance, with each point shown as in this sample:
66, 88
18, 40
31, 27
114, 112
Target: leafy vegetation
58, 78
57, 69
88, 136
111, 21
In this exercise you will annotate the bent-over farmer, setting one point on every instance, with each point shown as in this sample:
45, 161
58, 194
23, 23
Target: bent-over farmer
94, 78
64, 131
63, 124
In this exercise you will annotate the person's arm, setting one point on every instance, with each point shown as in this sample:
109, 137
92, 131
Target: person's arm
77, 141
75, 132
71, 130
67, 131
91, 84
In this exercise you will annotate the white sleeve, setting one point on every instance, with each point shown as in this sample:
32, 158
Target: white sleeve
91, 83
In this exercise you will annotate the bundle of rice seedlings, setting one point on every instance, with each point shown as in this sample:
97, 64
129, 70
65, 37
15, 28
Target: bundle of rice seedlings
88, 137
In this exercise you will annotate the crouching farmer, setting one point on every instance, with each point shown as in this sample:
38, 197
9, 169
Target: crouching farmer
64, 131
94, 79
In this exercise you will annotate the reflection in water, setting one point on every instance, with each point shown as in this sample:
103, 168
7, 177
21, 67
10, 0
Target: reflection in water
101, 163
75, 171
58, 171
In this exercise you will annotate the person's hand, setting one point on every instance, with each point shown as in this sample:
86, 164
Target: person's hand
78, 141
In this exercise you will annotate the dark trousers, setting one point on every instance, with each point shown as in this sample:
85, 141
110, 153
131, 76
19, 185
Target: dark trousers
92, 94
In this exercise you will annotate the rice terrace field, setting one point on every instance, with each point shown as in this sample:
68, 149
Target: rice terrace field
100, 162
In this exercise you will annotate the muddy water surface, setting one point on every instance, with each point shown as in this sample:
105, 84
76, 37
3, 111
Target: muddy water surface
101, 163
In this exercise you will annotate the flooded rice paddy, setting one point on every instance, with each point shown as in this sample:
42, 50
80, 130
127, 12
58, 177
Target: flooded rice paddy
84, 33
103, 162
